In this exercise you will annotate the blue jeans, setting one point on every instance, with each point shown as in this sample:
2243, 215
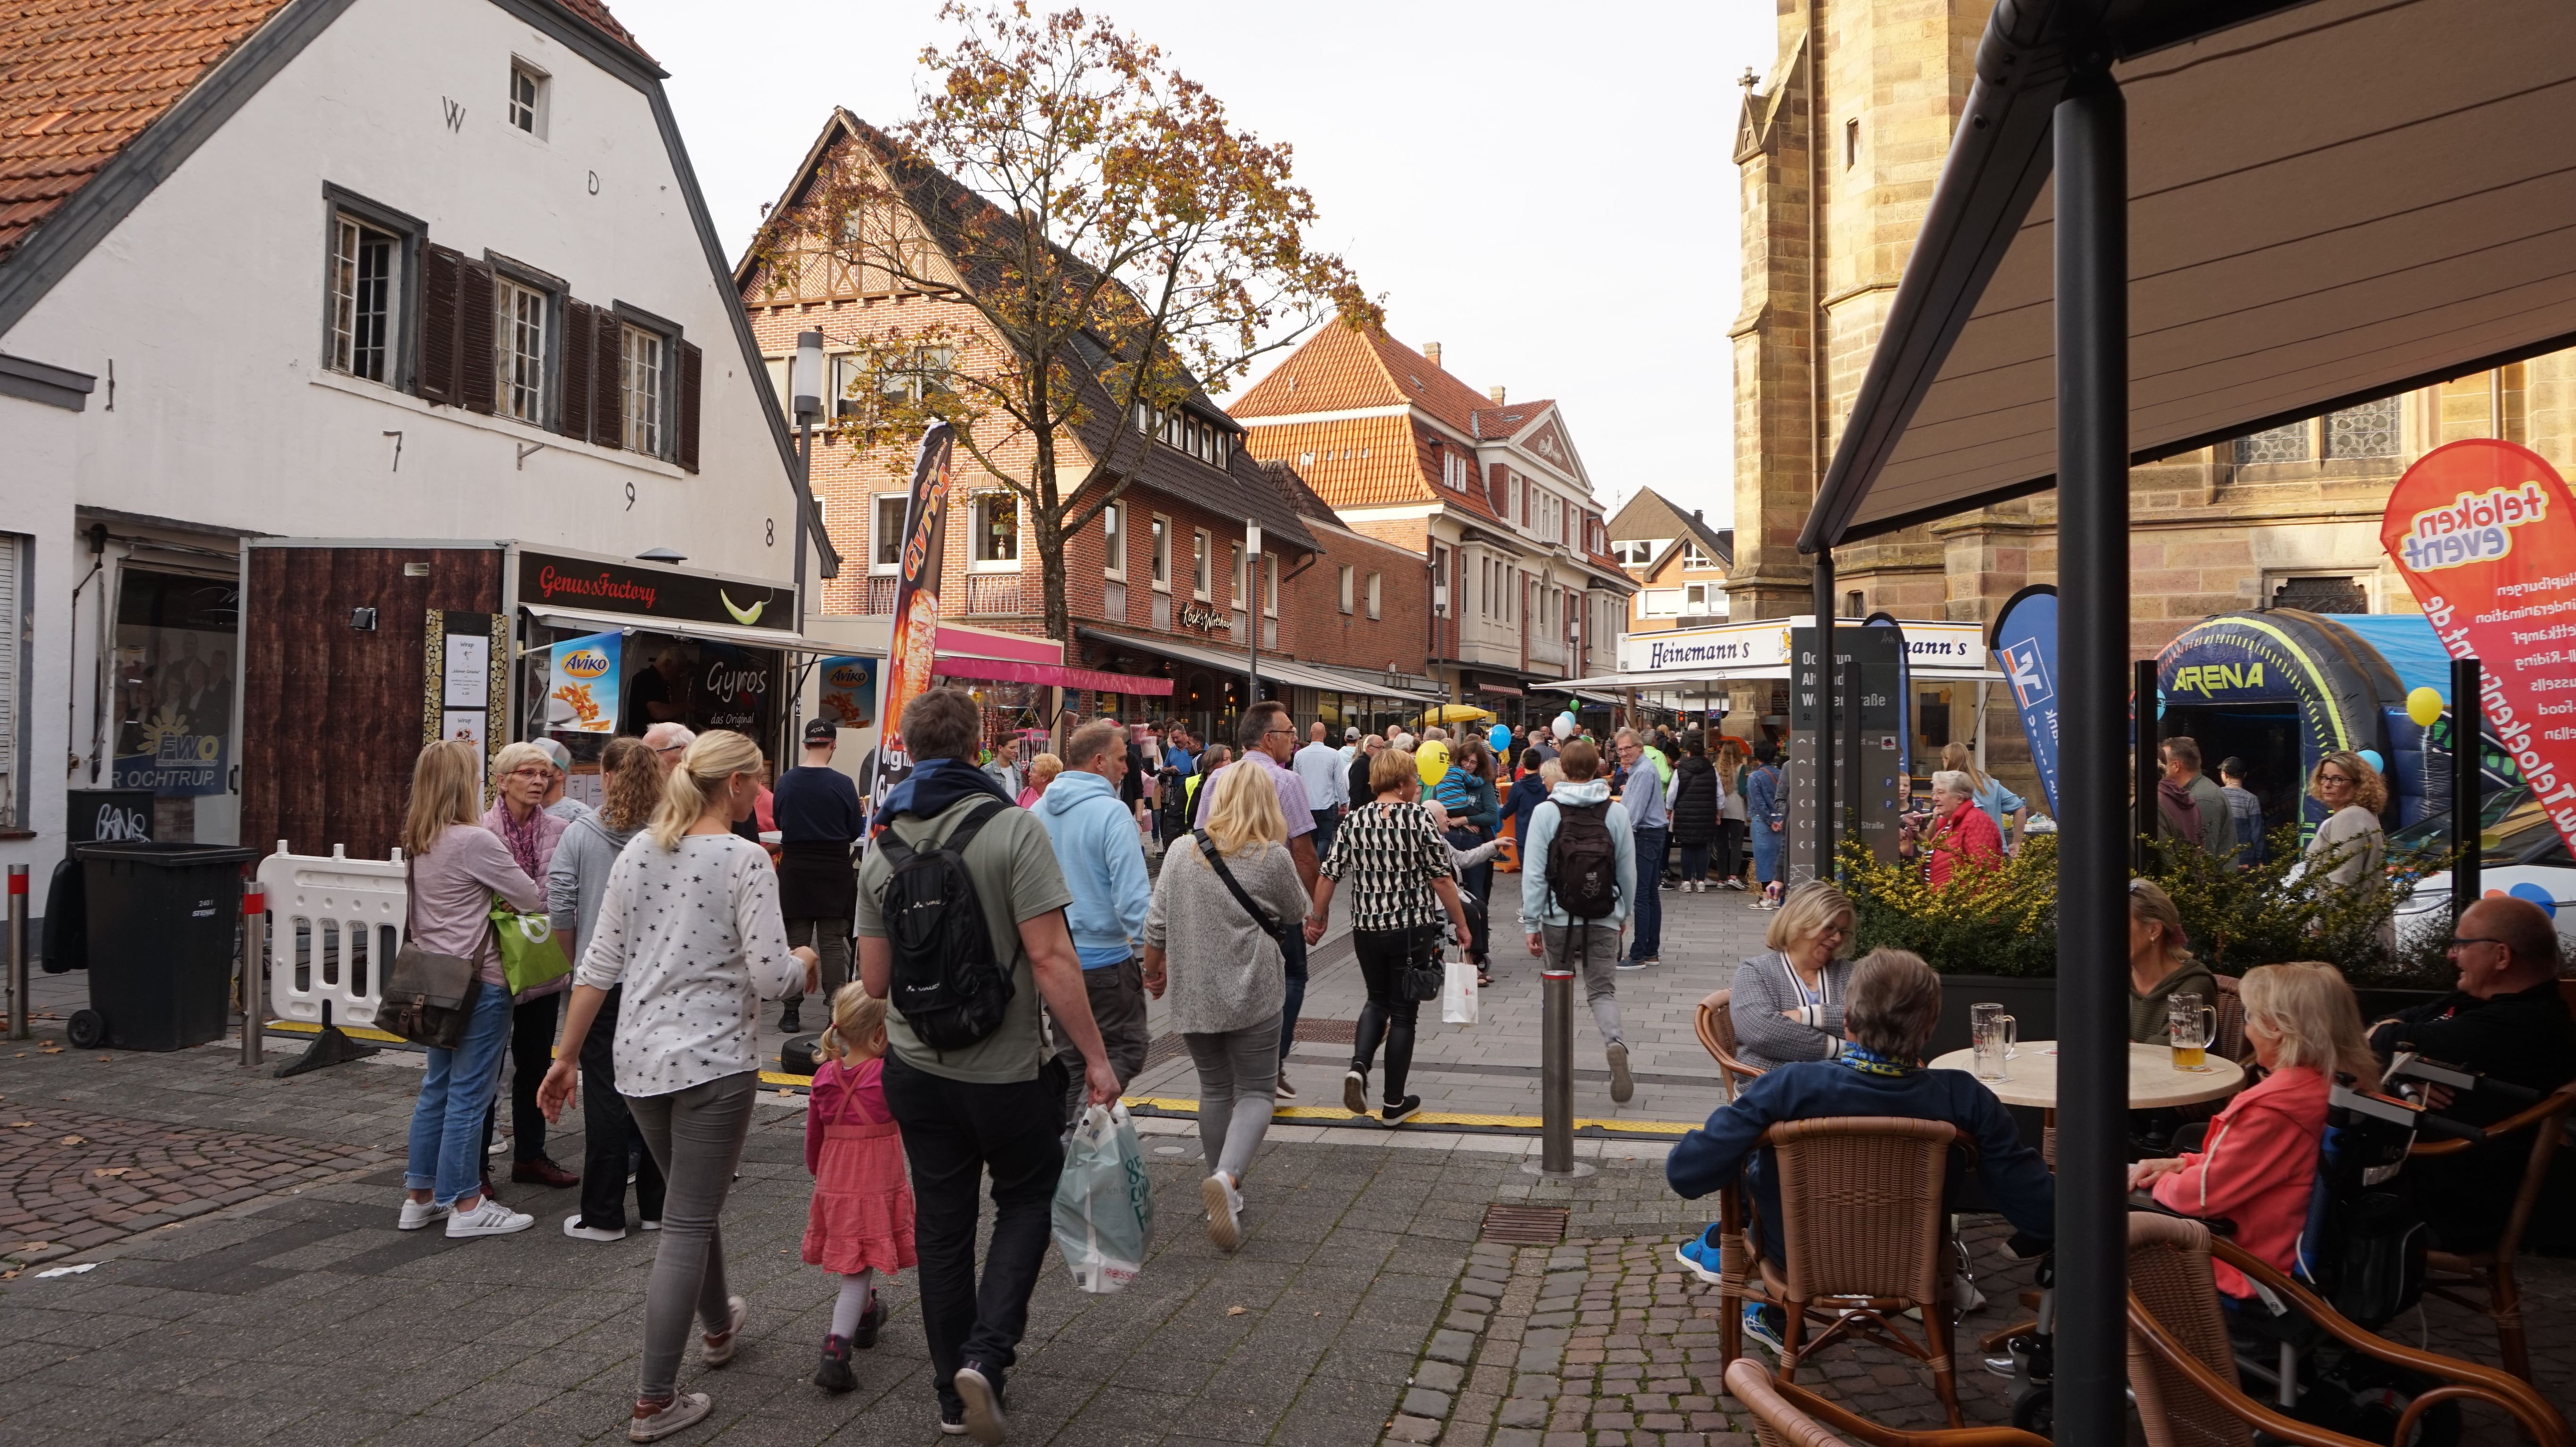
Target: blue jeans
1293, 950
1650, 895
1766, 852
447, 1121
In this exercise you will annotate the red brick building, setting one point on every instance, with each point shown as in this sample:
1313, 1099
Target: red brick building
1158, 585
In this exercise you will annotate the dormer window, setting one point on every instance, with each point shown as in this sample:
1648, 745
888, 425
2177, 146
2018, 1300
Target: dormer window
1181, 428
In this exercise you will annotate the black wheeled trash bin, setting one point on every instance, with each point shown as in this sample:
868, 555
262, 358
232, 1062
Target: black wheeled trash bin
163, 921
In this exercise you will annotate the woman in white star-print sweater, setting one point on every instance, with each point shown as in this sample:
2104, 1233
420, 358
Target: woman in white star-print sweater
689, 925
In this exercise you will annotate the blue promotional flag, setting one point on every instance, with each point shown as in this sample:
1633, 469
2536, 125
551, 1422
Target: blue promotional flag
2025, 643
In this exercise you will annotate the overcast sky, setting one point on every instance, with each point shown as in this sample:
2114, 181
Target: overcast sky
1543, 189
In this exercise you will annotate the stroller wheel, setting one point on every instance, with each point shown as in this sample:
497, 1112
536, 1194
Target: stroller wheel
2037, 1412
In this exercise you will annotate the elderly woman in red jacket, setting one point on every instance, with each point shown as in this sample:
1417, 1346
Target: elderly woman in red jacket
1957, 830
2259, 1164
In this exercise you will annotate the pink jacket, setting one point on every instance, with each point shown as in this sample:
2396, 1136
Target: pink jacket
2258, 1169
1967, 834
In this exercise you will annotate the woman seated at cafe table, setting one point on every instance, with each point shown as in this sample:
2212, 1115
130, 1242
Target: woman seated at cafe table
1788, 1003
2259, 1161
2161, 965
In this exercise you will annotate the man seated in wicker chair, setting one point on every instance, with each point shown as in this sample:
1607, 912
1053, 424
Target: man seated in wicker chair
1888, 1017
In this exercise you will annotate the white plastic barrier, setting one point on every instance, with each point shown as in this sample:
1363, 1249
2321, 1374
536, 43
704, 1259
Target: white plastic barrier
334, 925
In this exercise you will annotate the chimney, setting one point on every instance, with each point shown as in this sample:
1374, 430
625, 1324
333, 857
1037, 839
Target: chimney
1431, 353
1698, 516
1496, 393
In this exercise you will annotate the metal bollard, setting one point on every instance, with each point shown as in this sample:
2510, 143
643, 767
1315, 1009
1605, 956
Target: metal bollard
1556, 1068
253, 976
22, 1024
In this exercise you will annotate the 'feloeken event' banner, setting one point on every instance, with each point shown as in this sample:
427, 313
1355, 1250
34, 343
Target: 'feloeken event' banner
2485, 533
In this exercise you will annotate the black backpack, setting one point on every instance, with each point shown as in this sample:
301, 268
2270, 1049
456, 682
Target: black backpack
949, 986
1582, 862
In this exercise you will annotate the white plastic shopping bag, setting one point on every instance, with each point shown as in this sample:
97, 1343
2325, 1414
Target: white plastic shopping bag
1458, 992
1104, 1206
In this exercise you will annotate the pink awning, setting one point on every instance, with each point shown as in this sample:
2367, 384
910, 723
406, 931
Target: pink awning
1003, 670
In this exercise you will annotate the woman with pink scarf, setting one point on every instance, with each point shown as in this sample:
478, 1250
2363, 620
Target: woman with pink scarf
522, 774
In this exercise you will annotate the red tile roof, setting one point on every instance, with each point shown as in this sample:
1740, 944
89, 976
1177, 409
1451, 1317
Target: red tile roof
1501, 421
1340, 369
80, 79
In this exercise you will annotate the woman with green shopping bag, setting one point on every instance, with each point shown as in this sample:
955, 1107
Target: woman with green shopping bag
521, 775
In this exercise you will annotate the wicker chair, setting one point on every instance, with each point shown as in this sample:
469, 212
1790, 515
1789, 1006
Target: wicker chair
1865, 1240
1788, 1415
2490, 1272
1717, 1036
2227, 1036
2184, 1371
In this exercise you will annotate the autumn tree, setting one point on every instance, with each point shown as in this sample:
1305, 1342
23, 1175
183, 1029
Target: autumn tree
1119, 245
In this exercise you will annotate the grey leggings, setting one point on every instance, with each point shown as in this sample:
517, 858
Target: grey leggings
696, 1137
1238, 1088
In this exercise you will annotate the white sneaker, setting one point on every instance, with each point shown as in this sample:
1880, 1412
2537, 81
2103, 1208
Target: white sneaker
489, 1219
718, 1347
687, 1409
652, 1225
416, 1214
579, 1232
1224, 1205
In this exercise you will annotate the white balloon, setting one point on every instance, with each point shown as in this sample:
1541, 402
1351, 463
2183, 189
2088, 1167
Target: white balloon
1563, 727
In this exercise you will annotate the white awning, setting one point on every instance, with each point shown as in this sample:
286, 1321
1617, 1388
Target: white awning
2328, 204
590, 622
1287, 671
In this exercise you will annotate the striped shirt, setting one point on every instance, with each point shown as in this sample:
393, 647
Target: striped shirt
1389, 855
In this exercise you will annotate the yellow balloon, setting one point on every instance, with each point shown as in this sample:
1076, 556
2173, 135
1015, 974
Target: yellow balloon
2424, 706
1431, 761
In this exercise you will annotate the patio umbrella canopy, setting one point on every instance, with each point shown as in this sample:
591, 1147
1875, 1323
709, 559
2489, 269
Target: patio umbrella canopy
2328, 202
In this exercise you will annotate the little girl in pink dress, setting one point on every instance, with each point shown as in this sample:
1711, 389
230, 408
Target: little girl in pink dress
861, 1219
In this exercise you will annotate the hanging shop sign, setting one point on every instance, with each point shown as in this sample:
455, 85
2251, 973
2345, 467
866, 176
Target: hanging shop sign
2485, 533
555, 580
581, 684
849, 691
2025, 646
915, 641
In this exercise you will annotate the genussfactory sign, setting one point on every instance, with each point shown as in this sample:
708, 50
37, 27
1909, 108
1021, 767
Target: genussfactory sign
2485, 533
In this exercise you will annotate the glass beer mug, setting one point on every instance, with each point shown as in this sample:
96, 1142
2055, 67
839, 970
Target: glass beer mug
1991, 1035
2192, 1026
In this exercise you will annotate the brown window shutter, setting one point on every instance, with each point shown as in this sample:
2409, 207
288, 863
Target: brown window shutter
435, 377
690, 362
476, 367
572, 415
608, 381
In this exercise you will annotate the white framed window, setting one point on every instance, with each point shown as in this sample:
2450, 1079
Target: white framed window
528, 97
1202, 562
885, 537
1453, 469
1346, 587
996, 525
1693, 557
1113, 539
366, 297
1373, 581
1660, 603
1695, 597
1239, 580
1270, 584
643, 358
519, 350
778, 368
1162, 541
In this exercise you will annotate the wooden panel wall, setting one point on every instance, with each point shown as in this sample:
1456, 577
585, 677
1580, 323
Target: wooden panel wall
331, 716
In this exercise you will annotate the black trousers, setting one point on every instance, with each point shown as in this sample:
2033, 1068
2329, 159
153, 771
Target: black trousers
1731, 854
610, 1141
532, 1054
953, 1133
1389, 1014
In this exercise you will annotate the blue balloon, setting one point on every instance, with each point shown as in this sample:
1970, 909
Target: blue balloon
2371, 757
2537, 895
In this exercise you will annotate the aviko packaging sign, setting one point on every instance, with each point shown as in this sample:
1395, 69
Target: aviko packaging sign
2485, 533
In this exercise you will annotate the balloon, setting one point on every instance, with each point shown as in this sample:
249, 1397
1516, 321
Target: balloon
2424, 706
2371, 757
1499, 736
1563, 727
2537, 895
1431, 761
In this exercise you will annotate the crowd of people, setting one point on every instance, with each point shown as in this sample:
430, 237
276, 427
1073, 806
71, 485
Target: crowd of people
988, 960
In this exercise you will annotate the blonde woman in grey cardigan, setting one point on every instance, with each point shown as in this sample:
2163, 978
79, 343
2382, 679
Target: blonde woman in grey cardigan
1227, 977
1788, 1003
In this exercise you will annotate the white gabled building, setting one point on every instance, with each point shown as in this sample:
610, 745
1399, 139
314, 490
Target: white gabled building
435, 271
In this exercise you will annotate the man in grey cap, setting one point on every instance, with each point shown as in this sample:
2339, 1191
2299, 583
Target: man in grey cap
566, 809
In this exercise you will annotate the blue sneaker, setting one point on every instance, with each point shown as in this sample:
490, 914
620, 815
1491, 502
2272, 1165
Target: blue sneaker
1762, 1324
1699, 1256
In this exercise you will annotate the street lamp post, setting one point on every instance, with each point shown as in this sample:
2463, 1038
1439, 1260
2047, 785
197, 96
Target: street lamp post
806, 386
1252, 615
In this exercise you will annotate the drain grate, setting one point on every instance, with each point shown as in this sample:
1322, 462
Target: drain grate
1524, 1225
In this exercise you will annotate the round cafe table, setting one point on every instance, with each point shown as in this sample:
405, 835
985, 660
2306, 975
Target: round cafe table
2153, 1082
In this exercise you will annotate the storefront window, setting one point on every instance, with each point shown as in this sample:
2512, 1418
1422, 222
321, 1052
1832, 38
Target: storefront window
174, 697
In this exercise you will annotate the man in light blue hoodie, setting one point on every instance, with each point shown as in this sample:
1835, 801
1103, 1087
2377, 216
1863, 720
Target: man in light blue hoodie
1590, 947
1103, 859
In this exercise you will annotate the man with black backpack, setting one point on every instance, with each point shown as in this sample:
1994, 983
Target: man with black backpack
962, 931
1578, 875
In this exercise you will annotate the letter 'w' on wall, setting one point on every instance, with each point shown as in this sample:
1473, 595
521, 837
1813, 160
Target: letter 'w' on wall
2485, 533
915, 637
